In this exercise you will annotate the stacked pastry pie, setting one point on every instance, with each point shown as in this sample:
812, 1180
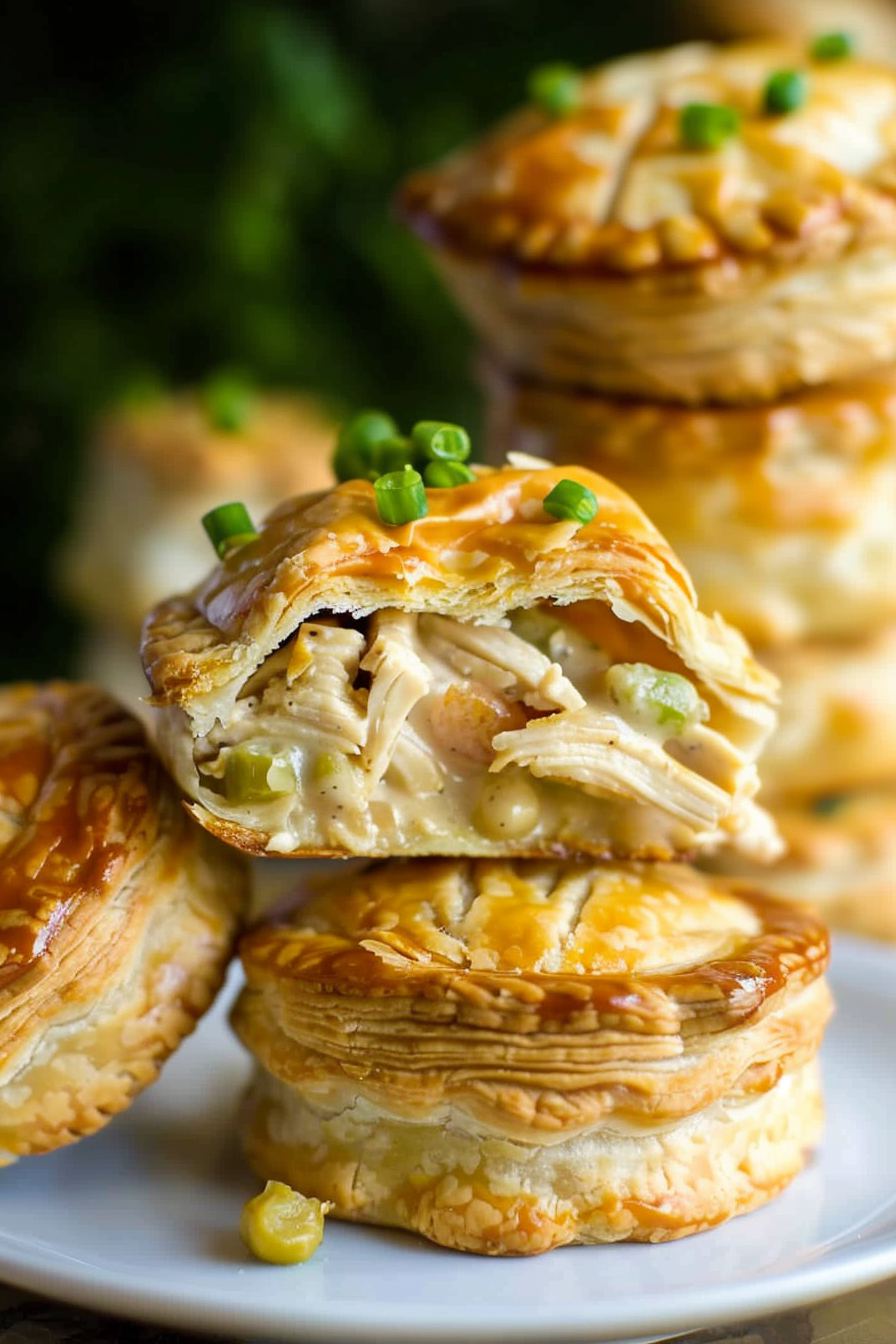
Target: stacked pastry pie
683, 266
530, 1022
154, 467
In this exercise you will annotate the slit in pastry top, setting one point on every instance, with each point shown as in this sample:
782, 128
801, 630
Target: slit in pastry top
486, 680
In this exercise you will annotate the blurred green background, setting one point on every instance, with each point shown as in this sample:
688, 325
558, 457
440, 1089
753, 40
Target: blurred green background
201, 184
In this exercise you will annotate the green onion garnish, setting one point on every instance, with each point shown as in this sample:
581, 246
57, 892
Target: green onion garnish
445, 475
437, 441
358, 439
228, 526
571, 502
391, 455
228, 401
832, 47
557, 88
786, 91
400, 496
828, 803
707, 125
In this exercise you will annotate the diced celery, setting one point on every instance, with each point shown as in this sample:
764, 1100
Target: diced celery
664, 699
253, 775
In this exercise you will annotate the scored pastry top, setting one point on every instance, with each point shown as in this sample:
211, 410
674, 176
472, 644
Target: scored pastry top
80, 802
614, 186
539, 997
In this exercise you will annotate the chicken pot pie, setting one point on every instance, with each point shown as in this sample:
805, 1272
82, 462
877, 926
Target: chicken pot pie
118, 915
837, 718
782, 514
841, 856
488, 679
619, 240
154, 468
508, 1057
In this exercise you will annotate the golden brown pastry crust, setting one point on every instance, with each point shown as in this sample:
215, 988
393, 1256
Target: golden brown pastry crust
782, 514
837, 720
154, 469
533, 1014
485, 549
598, 250
841, 857
118, 917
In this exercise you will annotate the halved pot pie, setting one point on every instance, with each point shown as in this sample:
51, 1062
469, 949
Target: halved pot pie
117, 916
512, 1056
841, 857
837, 719
707, 223
487, 679
153, 468
782, 514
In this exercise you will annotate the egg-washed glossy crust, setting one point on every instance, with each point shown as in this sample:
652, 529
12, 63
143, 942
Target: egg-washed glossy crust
612, 189
117, 917
597, 252
841, 856
782, 514
483, 550
567, 1035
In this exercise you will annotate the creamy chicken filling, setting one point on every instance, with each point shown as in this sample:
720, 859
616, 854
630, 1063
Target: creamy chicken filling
423, 731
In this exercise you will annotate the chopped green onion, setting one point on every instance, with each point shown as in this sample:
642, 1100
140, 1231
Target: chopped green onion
571, 502
252, 775
707, 125
228, 526
400, 496
358, 439
833, 47
662, 698
786, 91
391, 455
229, 401
444, 475
828, 803
437, 441
557, 88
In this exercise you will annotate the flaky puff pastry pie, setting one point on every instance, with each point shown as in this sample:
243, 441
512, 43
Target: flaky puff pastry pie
841, 857
117, 915
782, 514
508, 1057
153, 470
601, 250
837, 721
485, 680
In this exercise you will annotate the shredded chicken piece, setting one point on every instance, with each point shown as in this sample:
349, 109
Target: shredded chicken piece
602, 755
481, 651
399, 678
415, 766
321, 700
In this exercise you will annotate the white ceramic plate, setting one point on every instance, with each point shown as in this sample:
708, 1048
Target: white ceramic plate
142, 1220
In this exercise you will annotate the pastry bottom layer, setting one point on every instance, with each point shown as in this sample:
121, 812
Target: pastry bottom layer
475, 1190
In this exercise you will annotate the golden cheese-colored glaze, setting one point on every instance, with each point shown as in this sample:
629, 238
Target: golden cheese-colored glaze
841, 857
485, 550
569, 1045
117, 917
782, 513
153, 469
599, 250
